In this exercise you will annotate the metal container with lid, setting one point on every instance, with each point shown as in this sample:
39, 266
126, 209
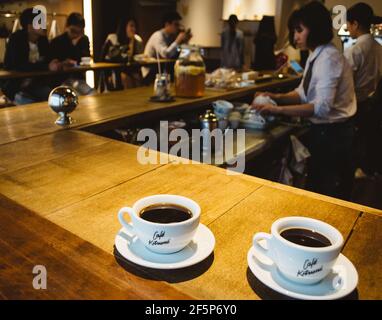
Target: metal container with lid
208, 123
208, 120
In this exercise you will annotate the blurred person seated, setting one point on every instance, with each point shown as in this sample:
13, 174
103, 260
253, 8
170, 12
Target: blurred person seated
165, 42
27, 50
232, 45
121, 47
73, 44
69, 48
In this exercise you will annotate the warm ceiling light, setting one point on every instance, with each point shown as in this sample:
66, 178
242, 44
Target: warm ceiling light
249, 9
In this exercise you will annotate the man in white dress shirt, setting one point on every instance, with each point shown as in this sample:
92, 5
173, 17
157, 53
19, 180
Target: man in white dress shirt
365, 58
166, 41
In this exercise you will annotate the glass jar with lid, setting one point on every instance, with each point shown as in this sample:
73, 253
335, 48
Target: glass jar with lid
190, 73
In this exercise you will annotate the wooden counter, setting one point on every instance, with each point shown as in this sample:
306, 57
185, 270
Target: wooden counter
6, 74
97, 66
101, 111
61, 191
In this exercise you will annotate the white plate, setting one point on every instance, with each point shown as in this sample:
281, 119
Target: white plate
198, 249
327, 289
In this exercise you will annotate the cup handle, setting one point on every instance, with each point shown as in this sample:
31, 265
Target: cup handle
260, 249
128, 226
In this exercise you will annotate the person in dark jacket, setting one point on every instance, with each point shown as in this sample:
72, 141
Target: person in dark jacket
27, 50
69, 48
73, 44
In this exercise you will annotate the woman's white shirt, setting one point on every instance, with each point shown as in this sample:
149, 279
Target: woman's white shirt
331, 89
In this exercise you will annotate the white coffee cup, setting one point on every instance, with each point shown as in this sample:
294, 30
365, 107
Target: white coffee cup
158, 237
298, 263
222, 107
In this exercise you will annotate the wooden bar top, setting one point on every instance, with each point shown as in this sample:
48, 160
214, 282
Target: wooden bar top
8, 74
61, 191
97, 66
18, 123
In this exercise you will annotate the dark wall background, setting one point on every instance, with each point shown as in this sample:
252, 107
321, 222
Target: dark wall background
106, 15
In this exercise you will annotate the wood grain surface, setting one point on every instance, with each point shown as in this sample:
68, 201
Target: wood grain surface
364, 249
75, 268
51, 185
28, 152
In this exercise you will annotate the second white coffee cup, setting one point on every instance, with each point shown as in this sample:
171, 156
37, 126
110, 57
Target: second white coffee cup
300, 263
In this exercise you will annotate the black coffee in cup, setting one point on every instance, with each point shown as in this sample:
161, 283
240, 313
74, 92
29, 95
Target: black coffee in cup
165, 213
306, 237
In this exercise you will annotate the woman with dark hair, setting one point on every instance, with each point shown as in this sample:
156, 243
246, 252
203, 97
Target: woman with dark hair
121, 47
124, 44
326, 97
265, 41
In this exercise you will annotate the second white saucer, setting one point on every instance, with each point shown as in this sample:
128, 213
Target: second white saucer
132, 249
342, 280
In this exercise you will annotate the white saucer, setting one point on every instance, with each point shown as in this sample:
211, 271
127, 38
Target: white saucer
324, 290
199, 248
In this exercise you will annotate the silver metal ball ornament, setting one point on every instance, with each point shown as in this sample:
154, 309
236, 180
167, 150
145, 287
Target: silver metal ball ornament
63, 100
